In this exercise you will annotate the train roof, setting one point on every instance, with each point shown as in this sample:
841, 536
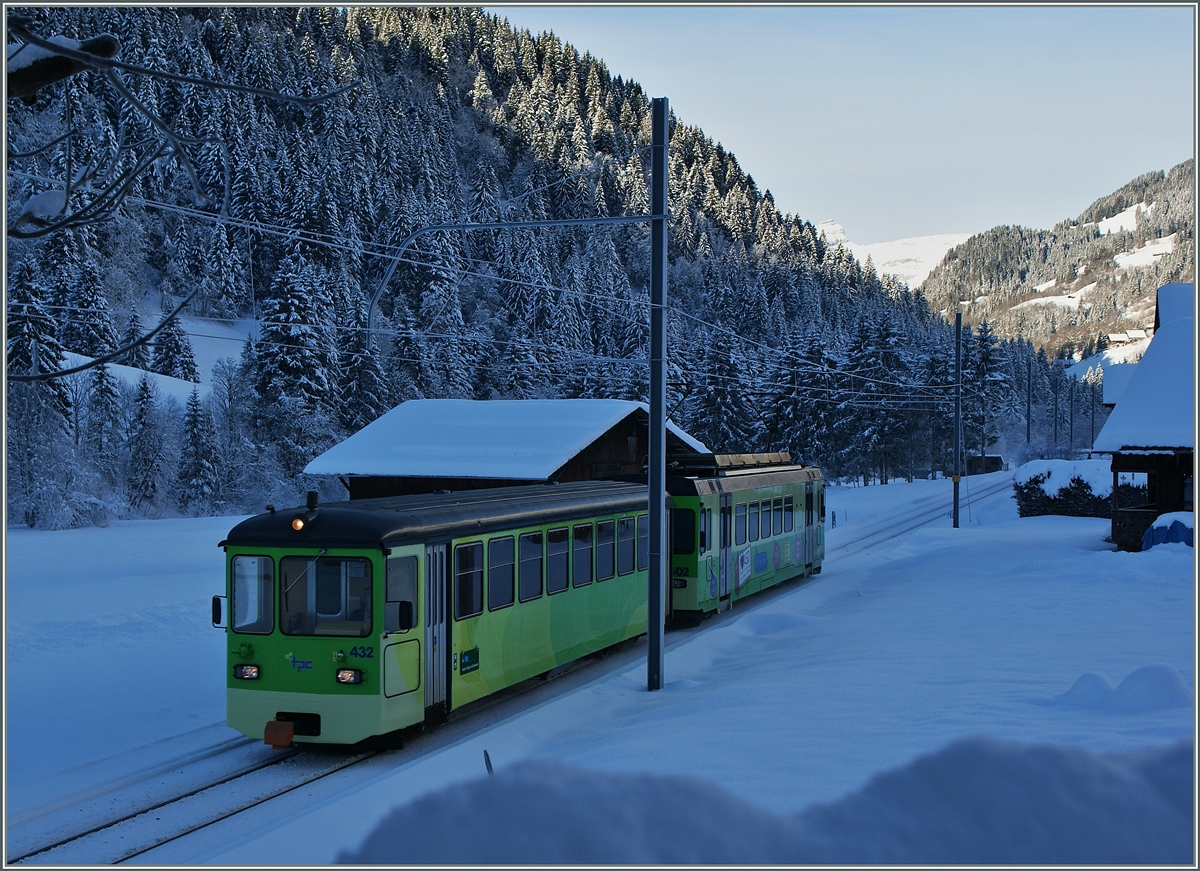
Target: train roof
394, 520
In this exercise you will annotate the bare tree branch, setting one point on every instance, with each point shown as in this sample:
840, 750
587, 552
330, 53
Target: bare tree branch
62, 62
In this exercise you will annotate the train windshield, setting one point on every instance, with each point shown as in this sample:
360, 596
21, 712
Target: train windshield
325, 596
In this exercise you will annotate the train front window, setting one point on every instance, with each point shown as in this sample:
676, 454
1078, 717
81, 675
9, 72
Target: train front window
325, 596
252, 611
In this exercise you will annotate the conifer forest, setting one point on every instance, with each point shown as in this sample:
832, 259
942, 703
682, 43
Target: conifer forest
132, 190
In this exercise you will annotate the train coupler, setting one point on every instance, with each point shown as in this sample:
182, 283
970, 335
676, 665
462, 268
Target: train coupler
279, 734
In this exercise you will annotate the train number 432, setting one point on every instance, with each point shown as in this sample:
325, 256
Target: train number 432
363, 652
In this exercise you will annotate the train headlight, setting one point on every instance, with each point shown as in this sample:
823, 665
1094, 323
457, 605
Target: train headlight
297, 523
245, 672
349, 675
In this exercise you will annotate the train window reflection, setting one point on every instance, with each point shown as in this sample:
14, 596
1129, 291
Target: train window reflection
643, 542
530, 570
581, 549
557, 560
605, 538
468, 580
625, 537
500, 573
252, 609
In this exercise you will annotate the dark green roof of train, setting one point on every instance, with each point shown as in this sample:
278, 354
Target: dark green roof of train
394, 520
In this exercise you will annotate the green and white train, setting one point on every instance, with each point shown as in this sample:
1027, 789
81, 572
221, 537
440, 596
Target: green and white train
354, 619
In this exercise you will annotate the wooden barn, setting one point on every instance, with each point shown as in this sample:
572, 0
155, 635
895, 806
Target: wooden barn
426, 445
1151, 429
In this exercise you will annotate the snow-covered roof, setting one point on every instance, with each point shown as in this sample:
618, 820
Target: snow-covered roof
1156, 408
1116, 379
463, 438
1174, 301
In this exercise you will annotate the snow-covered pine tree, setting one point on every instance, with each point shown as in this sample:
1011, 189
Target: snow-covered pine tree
41, 465
196, 480
173, 354
144, 472
364, 393
138, 357
296, 366
87, 326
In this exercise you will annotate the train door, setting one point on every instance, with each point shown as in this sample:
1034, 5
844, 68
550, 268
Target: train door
808, 524
437, 639
725, 557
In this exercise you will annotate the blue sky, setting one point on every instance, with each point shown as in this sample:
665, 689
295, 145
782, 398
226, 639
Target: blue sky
911, 121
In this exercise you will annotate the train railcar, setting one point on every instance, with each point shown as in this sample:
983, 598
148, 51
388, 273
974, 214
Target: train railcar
348, 620
742, 523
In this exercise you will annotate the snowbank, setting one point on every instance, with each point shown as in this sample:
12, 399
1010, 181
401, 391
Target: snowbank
1173, 527
1097, 474
977, 801
1150, 688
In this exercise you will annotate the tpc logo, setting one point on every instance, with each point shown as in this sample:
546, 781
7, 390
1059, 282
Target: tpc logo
300, 664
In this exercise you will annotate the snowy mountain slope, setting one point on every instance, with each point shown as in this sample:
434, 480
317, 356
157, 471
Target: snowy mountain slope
1103, 267
910, 260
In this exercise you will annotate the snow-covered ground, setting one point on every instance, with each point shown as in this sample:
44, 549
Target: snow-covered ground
1129, 352
1145, 255
802, 697
911, 260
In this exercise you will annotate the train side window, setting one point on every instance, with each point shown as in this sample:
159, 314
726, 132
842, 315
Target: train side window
808, 508
530, 581
401, 587
558, 544
581, 555
821, 503
753, 521
739, 524
605, 539
468, 580
777, 516
704, 515
766, 518
253, 599
625, 541
789, 519
643, 542
685, 530
500, 573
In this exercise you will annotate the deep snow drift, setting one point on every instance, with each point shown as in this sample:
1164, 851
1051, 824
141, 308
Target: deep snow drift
979, 801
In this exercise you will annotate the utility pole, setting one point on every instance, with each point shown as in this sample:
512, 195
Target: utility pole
1071, 414
1029, 403
1057, 377
657, 473
957, 407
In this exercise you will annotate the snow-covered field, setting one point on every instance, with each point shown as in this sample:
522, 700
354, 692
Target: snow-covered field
1021, 630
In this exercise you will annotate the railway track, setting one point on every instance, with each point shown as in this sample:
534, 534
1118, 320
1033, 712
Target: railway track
147, 812
918, 514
